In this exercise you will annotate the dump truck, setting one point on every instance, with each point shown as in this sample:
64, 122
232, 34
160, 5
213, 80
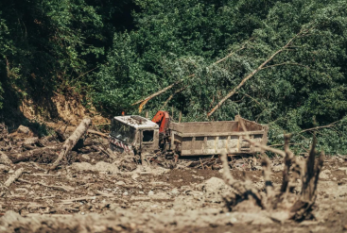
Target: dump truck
140, 136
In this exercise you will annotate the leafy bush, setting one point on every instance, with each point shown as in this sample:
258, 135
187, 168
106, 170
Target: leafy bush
301, 87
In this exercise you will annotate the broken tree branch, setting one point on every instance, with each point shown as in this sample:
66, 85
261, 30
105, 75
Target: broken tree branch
230, 54
72, 140
320, 127
286, 63
159, 92
148, 98
171, 96
244, 80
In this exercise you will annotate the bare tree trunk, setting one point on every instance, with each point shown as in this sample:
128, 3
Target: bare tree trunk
72, 140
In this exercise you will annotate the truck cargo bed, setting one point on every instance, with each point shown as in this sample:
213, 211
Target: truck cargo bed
213, 138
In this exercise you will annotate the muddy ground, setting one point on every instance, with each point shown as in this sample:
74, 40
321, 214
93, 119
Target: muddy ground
94, 198
96, 192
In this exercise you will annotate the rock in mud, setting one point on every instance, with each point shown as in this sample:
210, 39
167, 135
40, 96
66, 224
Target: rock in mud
23, 129
85, 157
4, 159
175, 192
343, 169
150, 193
325, 175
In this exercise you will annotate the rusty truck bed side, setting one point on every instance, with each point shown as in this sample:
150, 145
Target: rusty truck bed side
213, 138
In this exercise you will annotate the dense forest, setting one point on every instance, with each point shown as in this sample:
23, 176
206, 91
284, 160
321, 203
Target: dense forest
281, 63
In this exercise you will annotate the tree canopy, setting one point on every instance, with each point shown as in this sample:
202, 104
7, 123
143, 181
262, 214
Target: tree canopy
290, 55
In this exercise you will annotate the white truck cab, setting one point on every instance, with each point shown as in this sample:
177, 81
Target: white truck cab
134, 135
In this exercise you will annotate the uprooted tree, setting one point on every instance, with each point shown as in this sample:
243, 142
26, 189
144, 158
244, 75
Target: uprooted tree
294, 200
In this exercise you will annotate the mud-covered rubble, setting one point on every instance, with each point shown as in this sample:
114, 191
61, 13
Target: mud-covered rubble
96, 190
99, 201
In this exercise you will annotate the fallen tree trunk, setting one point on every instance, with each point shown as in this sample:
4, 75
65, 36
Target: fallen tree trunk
14, 177
72, 140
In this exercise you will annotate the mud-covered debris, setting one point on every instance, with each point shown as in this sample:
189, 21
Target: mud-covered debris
101, 167
4, 159
214, 189
96, 191
85, 157
4, 168
72, 141
277, 167
343, 169
325, 175
14, 177
256, 168
175, 192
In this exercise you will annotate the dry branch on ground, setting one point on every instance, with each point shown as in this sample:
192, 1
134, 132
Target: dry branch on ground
271, 201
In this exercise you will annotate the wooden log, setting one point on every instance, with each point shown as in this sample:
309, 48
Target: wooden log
72, 140
14, 177
97, 133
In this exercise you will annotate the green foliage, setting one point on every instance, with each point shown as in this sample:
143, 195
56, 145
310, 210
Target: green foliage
50, 45
114, 53
303, 87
